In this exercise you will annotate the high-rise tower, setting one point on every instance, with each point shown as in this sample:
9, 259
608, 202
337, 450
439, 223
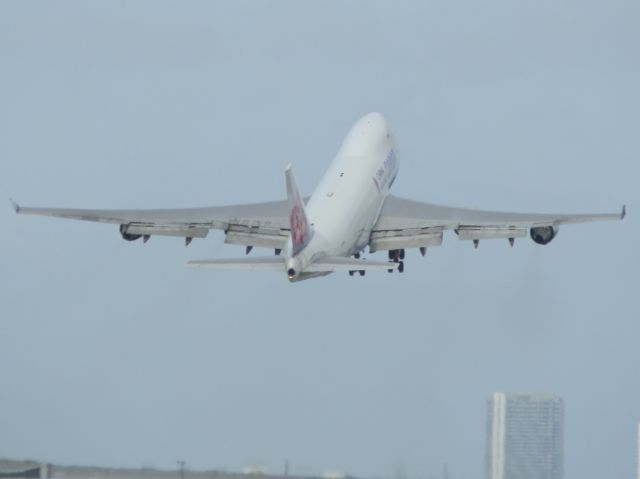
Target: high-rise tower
638, 458
524, 436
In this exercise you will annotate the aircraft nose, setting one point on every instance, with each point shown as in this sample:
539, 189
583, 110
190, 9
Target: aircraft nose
374, 122
367, 135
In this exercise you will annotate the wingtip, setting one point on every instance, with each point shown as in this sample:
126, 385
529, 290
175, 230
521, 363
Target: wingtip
624, 212
16, 206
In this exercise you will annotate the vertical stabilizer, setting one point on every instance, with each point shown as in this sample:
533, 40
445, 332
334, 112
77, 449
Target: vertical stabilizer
300, 229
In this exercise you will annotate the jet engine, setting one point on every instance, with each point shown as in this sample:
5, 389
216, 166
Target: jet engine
543, 234
128, 236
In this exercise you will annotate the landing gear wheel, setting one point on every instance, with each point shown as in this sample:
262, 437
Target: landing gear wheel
351, 273
361, 272
401, 267
401, 255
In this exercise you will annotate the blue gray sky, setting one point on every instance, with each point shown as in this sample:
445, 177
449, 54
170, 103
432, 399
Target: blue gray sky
115, 353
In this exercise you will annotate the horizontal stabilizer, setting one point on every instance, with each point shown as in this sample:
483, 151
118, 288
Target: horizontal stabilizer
277, 263
268, 263
339, 263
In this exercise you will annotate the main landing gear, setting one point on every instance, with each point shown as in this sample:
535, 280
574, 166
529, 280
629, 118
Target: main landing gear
361, 271
397, 256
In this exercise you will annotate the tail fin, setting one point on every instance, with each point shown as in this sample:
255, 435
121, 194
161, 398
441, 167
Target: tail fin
300, 229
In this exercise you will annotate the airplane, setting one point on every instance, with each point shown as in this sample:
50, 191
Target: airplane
351, 209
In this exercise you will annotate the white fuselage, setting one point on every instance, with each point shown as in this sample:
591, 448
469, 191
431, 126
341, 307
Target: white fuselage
347, 202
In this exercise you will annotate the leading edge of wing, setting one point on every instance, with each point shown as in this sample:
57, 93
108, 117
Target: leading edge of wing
400, 213
273, 213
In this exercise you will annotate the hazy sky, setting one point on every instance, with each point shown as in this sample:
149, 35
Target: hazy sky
115, 353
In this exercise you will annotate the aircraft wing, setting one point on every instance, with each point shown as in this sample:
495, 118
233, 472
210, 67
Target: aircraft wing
257, 224
406, 223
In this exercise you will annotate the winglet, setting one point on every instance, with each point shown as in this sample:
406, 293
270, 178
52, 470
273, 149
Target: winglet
16, 206
300, 229
624, 212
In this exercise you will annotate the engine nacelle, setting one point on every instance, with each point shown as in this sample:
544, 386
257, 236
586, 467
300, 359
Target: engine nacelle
128, 236
543, 234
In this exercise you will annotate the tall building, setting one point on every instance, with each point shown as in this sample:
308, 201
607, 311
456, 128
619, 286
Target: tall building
638, 463
524, 436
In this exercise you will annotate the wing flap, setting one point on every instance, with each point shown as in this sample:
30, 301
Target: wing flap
165, 230
478, 233
260, 237
386, 240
